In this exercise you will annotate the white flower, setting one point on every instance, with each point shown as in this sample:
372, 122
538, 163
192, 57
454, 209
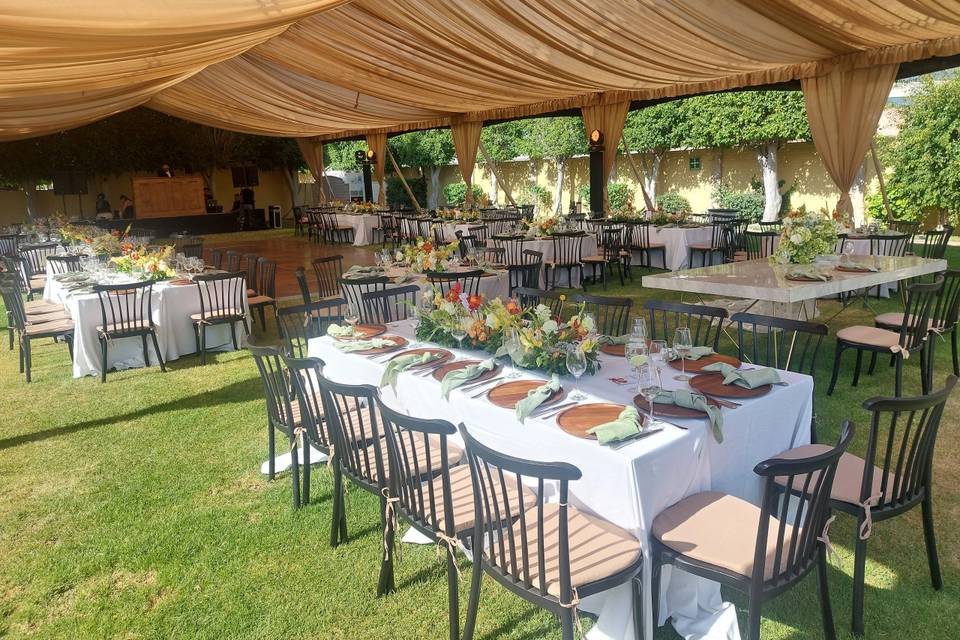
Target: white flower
491, 321
449, 308
542, 312
796, 238
550, 327
399, 256
588, 323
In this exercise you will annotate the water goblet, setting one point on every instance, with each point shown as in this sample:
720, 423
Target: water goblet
352, 315
682, 344
576, 366
650, 387
640, 329
515, 350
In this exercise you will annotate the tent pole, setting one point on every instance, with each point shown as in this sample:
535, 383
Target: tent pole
403, 181
493, 169
883, 186
636, 172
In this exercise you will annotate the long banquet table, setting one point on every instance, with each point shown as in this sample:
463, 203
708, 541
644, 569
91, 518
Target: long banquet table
172, 306
627, 486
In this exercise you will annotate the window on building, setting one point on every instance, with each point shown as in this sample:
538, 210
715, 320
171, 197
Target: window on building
694, 163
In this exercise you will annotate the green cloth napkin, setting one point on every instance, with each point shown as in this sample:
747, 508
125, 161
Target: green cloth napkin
695, 353
850, 264
337, 331
808, 273
406, 277
401, 363
461, 376
625, 426
624, 339
536, 397
638, 361
367, 269
363, 345
690, 400
750, 379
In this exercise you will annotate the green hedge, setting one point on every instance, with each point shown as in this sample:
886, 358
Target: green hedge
673, 203
455, 193
397, 195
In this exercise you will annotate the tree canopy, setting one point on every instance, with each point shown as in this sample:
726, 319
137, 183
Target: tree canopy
559, 137
429, 148
746, 118
658, 128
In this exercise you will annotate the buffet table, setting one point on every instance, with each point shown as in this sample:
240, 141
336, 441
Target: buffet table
628, 486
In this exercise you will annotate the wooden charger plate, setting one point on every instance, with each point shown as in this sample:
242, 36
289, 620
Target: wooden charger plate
696, 366
671, 410
711, 383
398, 343
364, 332
444, 356
806, 279
841, 267
438, 374
576, 420
614, 349
508, 394
181, 282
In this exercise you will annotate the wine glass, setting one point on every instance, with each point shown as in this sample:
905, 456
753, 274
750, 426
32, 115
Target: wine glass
650, 387
352, 316
632, 349
640, 329
682, 344
658, 352
458, 333
515, 350
576, 366
377, 258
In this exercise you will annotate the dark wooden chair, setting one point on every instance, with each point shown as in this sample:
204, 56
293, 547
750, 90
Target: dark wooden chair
512, 248
9, 244
443, 281
705, 322
526, 274
761, 244
280, 412
612, 255
221, 302
391, 305
216, 258
250, 267
567, 256
354, 288
550, 554
716, 246
35, 264
909, 340
265, 291
760, 551
894, 476
58, 327
640, 242
612, 314
192, 249
126, 311
771, 226
909, 227
64, 264
232, 259
301, 277
935, 243
299, 323
36, 311
531, 297
481, 232
736, 240
327, 271
336, 231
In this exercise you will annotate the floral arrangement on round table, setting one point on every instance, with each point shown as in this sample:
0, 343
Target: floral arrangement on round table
150, 265
458, 215
97, 242
362, 207
424, 256
545, 337
662, 218
542, 226
627, 214
805, 235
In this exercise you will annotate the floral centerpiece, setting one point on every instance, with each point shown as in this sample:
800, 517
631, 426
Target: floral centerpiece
542, 225
424, 256
626, 214
458, 215
449, 312
153, 265
362, 207
805, 236
660, 218
546, 338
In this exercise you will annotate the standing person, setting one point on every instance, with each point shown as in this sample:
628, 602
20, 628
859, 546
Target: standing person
126, 208
247, 206
165, 171
103, 205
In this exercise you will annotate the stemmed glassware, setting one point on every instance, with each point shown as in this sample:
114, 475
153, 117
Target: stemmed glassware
639, 329
577, 366
514, 347
682, 344
352, 316
630, 351
658, 353
459, 333
650, 387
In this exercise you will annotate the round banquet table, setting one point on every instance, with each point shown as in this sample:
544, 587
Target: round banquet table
172, 306
676, 242
363, 225
492, 285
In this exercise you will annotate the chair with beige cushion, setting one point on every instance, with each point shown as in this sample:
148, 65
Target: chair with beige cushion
221, 302
300, 323
265, 291
640, 241
763, 550
36, 311
550, 554
126, 311
894, 476
35, 264
910, 340
27, 329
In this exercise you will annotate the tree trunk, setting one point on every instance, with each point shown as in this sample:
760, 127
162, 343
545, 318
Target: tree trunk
651, 175
558, 189
293, 186
716, 175
492, 193
767, 157
29, 191
433, 198
208, 174
857, 192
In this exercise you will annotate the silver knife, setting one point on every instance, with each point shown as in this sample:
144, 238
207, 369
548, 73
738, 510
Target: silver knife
550, 411
474, 385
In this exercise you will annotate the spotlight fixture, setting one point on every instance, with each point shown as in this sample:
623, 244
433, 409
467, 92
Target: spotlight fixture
596, 137
371, 155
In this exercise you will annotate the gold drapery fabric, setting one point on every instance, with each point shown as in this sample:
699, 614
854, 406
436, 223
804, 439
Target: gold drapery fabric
608, 119
466, 138
338, 68
378, 142
312, 150
843, 108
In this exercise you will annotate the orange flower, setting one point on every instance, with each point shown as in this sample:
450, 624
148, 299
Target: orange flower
428, 246
474, 302
513, 308
454, 294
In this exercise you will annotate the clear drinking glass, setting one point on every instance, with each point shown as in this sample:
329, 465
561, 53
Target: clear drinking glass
352, 316
639, 329
515, 350
649, 388
576, 366
658, 353
630, 350
682, 344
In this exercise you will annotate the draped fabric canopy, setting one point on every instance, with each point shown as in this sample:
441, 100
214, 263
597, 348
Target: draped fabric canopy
378, 143
341, 68
609, 120
466, 139
312, 151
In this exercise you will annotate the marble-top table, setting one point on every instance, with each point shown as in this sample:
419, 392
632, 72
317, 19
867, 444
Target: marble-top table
760, 280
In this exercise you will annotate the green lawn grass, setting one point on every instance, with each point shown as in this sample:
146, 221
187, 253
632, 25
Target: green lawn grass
136, 509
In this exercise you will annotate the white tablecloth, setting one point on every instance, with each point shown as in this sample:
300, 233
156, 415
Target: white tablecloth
491, 285
861, 247
172, 306
363, 225
676, 242
588, 247
628, 486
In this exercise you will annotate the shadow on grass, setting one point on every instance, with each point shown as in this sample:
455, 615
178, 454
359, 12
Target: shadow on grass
236, 392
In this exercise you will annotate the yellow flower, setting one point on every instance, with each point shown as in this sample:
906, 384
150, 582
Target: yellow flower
563, 297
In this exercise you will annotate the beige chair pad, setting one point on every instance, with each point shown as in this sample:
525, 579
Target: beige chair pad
461, 495
217, 314
870, 336
848, 479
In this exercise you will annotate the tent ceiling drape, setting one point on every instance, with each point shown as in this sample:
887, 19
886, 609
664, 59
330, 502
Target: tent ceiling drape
336, 68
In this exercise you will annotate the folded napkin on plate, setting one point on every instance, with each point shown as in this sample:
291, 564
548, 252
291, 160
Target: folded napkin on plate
808, 273
638, 361
461, 376
363, 345
405, 277
536, 397
691, 400
852, 264
695, 353
625, 426
624, 339
337, 331
359, 268
750, 379
401, 363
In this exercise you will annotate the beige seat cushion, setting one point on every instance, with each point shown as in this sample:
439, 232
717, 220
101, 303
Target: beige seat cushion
138, 325
38, 282
38, 307
51, 316
218, 313
870, 336
740, 256
258, 300
847, 480
61, 325
704, 247
598, 549
718, 529
454, 456
895, 319
593, 259
461, 495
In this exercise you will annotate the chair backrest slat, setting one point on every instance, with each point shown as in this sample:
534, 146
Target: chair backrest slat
354, 288
328, 271
391, 305
704, 322
782, 343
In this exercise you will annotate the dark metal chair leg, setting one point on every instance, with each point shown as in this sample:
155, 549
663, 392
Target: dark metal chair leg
566, 624
453, 596
146, 354
233, 336
295, 476
385, 584
156, 347
859, 567
753, 619
873, 363
928, 535
953, 350
856, 370
823, 589
103, 359
836, 369
305, 491
474, 600
26, 356
271, 452
203, 344
898, 387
